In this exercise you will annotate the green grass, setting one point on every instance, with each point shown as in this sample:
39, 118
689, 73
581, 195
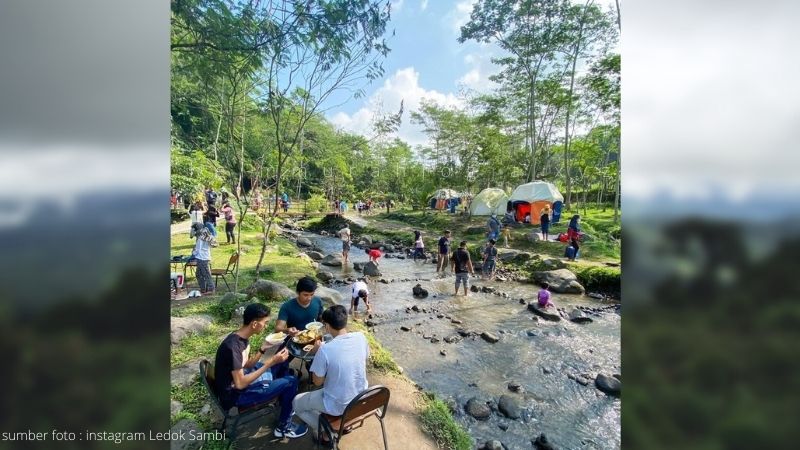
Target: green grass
438, 421
380, 358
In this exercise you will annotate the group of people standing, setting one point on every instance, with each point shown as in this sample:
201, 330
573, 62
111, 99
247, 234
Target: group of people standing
208, 216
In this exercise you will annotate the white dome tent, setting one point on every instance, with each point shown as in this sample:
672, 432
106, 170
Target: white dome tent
489, 201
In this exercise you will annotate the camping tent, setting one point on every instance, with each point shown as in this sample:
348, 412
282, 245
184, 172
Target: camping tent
439, 198
489, 201
529, 199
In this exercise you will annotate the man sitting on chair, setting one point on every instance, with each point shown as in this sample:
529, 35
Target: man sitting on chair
243, 380
340, 366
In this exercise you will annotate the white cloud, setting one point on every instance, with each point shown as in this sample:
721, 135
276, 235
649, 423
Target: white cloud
424, 5
459, 15
480, 68
397, 5
402, 86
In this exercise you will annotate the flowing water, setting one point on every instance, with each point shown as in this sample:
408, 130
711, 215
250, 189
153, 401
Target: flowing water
538, 355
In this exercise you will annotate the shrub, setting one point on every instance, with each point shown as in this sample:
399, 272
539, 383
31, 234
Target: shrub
603, 279
317, 203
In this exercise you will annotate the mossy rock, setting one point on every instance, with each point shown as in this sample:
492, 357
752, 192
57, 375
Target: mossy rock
606, 280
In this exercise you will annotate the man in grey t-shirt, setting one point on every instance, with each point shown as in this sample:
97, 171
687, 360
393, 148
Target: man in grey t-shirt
340, 366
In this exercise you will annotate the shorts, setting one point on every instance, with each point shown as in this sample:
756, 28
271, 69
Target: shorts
345, 246
462, 277
488, 266
355, 301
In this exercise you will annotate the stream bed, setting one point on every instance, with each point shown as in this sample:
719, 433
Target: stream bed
548, 360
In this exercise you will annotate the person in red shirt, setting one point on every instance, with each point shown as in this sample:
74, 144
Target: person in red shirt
374, 254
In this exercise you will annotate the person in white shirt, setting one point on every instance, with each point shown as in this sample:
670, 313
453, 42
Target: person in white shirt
360, 291
340, 367
344, 233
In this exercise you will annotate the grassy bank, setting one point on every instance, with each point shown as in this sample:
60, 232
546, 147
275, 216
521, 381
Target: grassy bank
438, 421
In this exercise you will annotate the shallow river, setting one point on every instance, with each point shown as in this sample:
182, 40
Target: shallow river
538, 355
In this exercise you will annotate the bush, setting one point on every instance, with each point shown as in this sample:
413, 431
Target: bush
317, 203
603, 279
176, 216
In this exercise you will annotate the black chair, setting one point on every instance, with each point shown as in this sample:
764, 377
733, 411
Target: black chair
374, 401
234, 414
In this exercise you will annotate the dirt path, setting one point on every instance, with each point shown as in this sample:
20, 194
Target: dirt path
403, 429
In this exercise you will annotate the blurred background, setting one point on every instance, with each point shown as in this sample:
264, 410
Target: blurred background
711, 199
84, 173
710, 194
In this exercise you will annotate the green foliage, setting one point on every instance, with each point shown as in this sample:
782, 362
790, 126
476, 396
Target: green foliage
598, 278
379, 357
438, 421
176, 216
317, 203
193, 171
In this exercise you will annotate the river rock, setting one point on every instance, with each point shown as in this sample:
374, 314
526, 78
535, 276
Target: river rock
507, 255
489, 337
443, 352
488, 289
578, 316
332, 260
513, 386
370, 269
316, 256
477, 409
405, 328
595, 295
456, 321
358, 266
434, 340
509, 406
184, 375
388, 248
232, 297
268, 291
418, 292
609, 385
493, 445
324, 276
452, 339
367, 239
328, 296
503, 426
562, 281
192, 435
304, 242
553, 263
474, 288
541, 443
180, 327
545, 313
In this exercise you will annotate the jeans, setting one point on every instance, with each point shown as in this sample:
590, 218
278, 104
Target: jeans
263, 390
488, 267
229, 227
419, 252
462, 277
212, 228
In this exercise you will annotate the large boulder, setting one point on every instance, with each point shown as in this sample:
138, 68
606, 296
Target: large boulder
388, 248
552, 264
371, 269
521, 257
329, 296
190, 431
562, 281
508, 406
183, 376
578, 316
232, 297
507, 255
268, 291
367, 239
316, 256
180, 327
608, 384
304, 242
477, 409
550, 314
324, 276
333, 260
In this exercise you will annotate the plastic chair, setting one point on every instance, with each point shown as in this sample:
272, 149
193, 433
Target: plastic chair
374, 401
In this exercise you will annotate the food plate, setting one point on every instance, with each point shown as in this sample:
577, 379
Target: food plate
308, 348
314, 326
305, 337
275, 338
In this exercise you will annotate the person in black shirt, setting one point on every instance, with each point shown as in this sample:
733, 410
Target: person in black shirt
462, 266
444, 252
544, 220
242, 380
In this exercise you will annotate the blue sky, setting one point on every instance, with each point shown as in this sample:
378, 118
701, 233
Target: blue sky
426, 61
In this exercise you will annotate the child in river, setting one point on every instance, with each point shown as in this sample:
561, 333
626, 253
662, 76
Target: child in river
374, 254
419, 246
544, 296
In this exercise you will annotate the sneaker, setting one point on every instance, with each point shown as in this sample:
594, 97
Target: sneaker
291, 430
